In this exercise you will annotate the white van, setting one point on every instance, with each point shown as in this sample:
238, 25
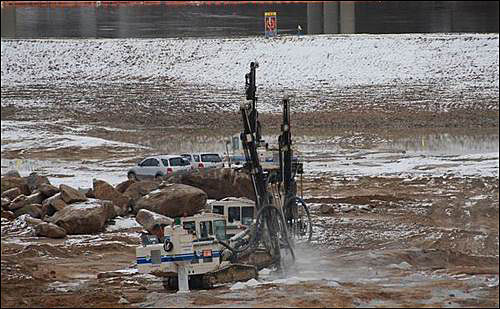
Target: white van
204, 160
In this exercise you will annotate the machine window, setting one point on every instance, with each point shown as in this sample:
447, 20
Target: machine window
218, 210
190, 226
206, 229
220, 229
247, 215
234, 214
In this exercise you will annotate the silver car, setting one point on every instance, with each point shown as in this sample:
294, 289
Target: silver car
158, 166
204, 160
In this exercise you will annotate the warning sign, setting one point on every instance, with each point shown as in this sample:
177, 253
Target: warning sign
270, 23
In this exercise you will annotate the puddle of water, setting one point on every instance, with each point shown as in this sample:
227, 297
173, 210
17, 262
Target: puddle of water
448, 144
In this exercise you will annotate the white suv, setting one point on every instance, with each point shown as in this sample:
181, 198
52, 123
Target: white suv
158, 167
204, 160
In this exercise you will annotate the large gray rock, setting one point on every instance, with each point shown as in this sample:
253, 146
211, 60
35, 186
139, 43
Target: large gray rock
18, 203
84, 218
5, 203
43, 229
217, 183
52, 205
33, 210
9, 182
50, 230
32, 221
90, 193
12, 193
70, 195
174, 200
122, 187
48, 190
34, 181
9, 215
149, 219
104, 191
35, 198
139, 189
326, 209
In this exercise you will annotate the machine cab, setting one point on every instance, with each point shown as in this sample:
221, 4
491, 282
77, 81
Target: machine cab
191, 241
205, 227
239, 214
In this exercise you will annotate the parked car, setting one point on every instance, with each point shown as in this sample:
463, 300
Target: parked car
158, 167
204, 160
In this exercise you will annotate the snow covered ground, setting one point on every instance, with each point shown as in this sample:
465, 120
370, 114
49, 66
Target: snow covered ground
286, 62
453, 67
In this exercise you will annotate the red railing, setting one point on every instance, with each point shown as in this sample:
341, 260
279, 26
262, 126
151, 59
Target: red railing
132, 3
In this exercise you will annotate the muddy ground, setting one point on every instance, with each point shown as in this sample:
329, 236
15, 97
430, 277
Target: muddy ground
402, 182
428, 242
378, 241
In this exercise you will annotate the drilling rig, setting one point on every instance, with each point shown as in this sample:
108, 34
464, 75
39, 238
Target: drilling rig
196, 248
282, 217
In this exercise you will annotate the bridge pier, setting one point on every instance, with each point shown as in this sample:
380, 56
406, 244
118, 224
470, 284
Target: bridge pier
331, 17
347, 17
8, 22
314, 18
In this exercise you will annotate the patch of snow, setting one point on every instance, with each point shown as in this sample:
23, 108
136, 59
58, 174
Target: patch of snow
402, 266
23, 135
264, 272
90, 204
123, 301
478, 197
122, 224
18, 227
238, 286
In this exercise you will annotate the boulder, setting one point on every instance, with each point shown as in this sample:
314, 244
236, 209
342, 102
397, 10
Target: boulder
13, 173
32, 221
175, 200
35, 198
90, 194
53, 204
33, 210
149, 219
12, 193
326, 209
9, 215
48, 190
70, 195
49, 230
34, 181
84, 218
23, 200
139, 189
18, 203
5, 203
105, 191
9, 182
122, 187
217, 183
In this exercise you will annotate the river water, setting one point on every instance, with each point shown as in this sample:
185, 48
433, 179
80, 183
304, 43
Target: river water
229, 20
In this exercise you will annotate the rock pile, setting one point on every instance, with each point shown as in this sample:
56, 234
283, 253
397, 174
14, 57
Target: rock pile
59, 211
